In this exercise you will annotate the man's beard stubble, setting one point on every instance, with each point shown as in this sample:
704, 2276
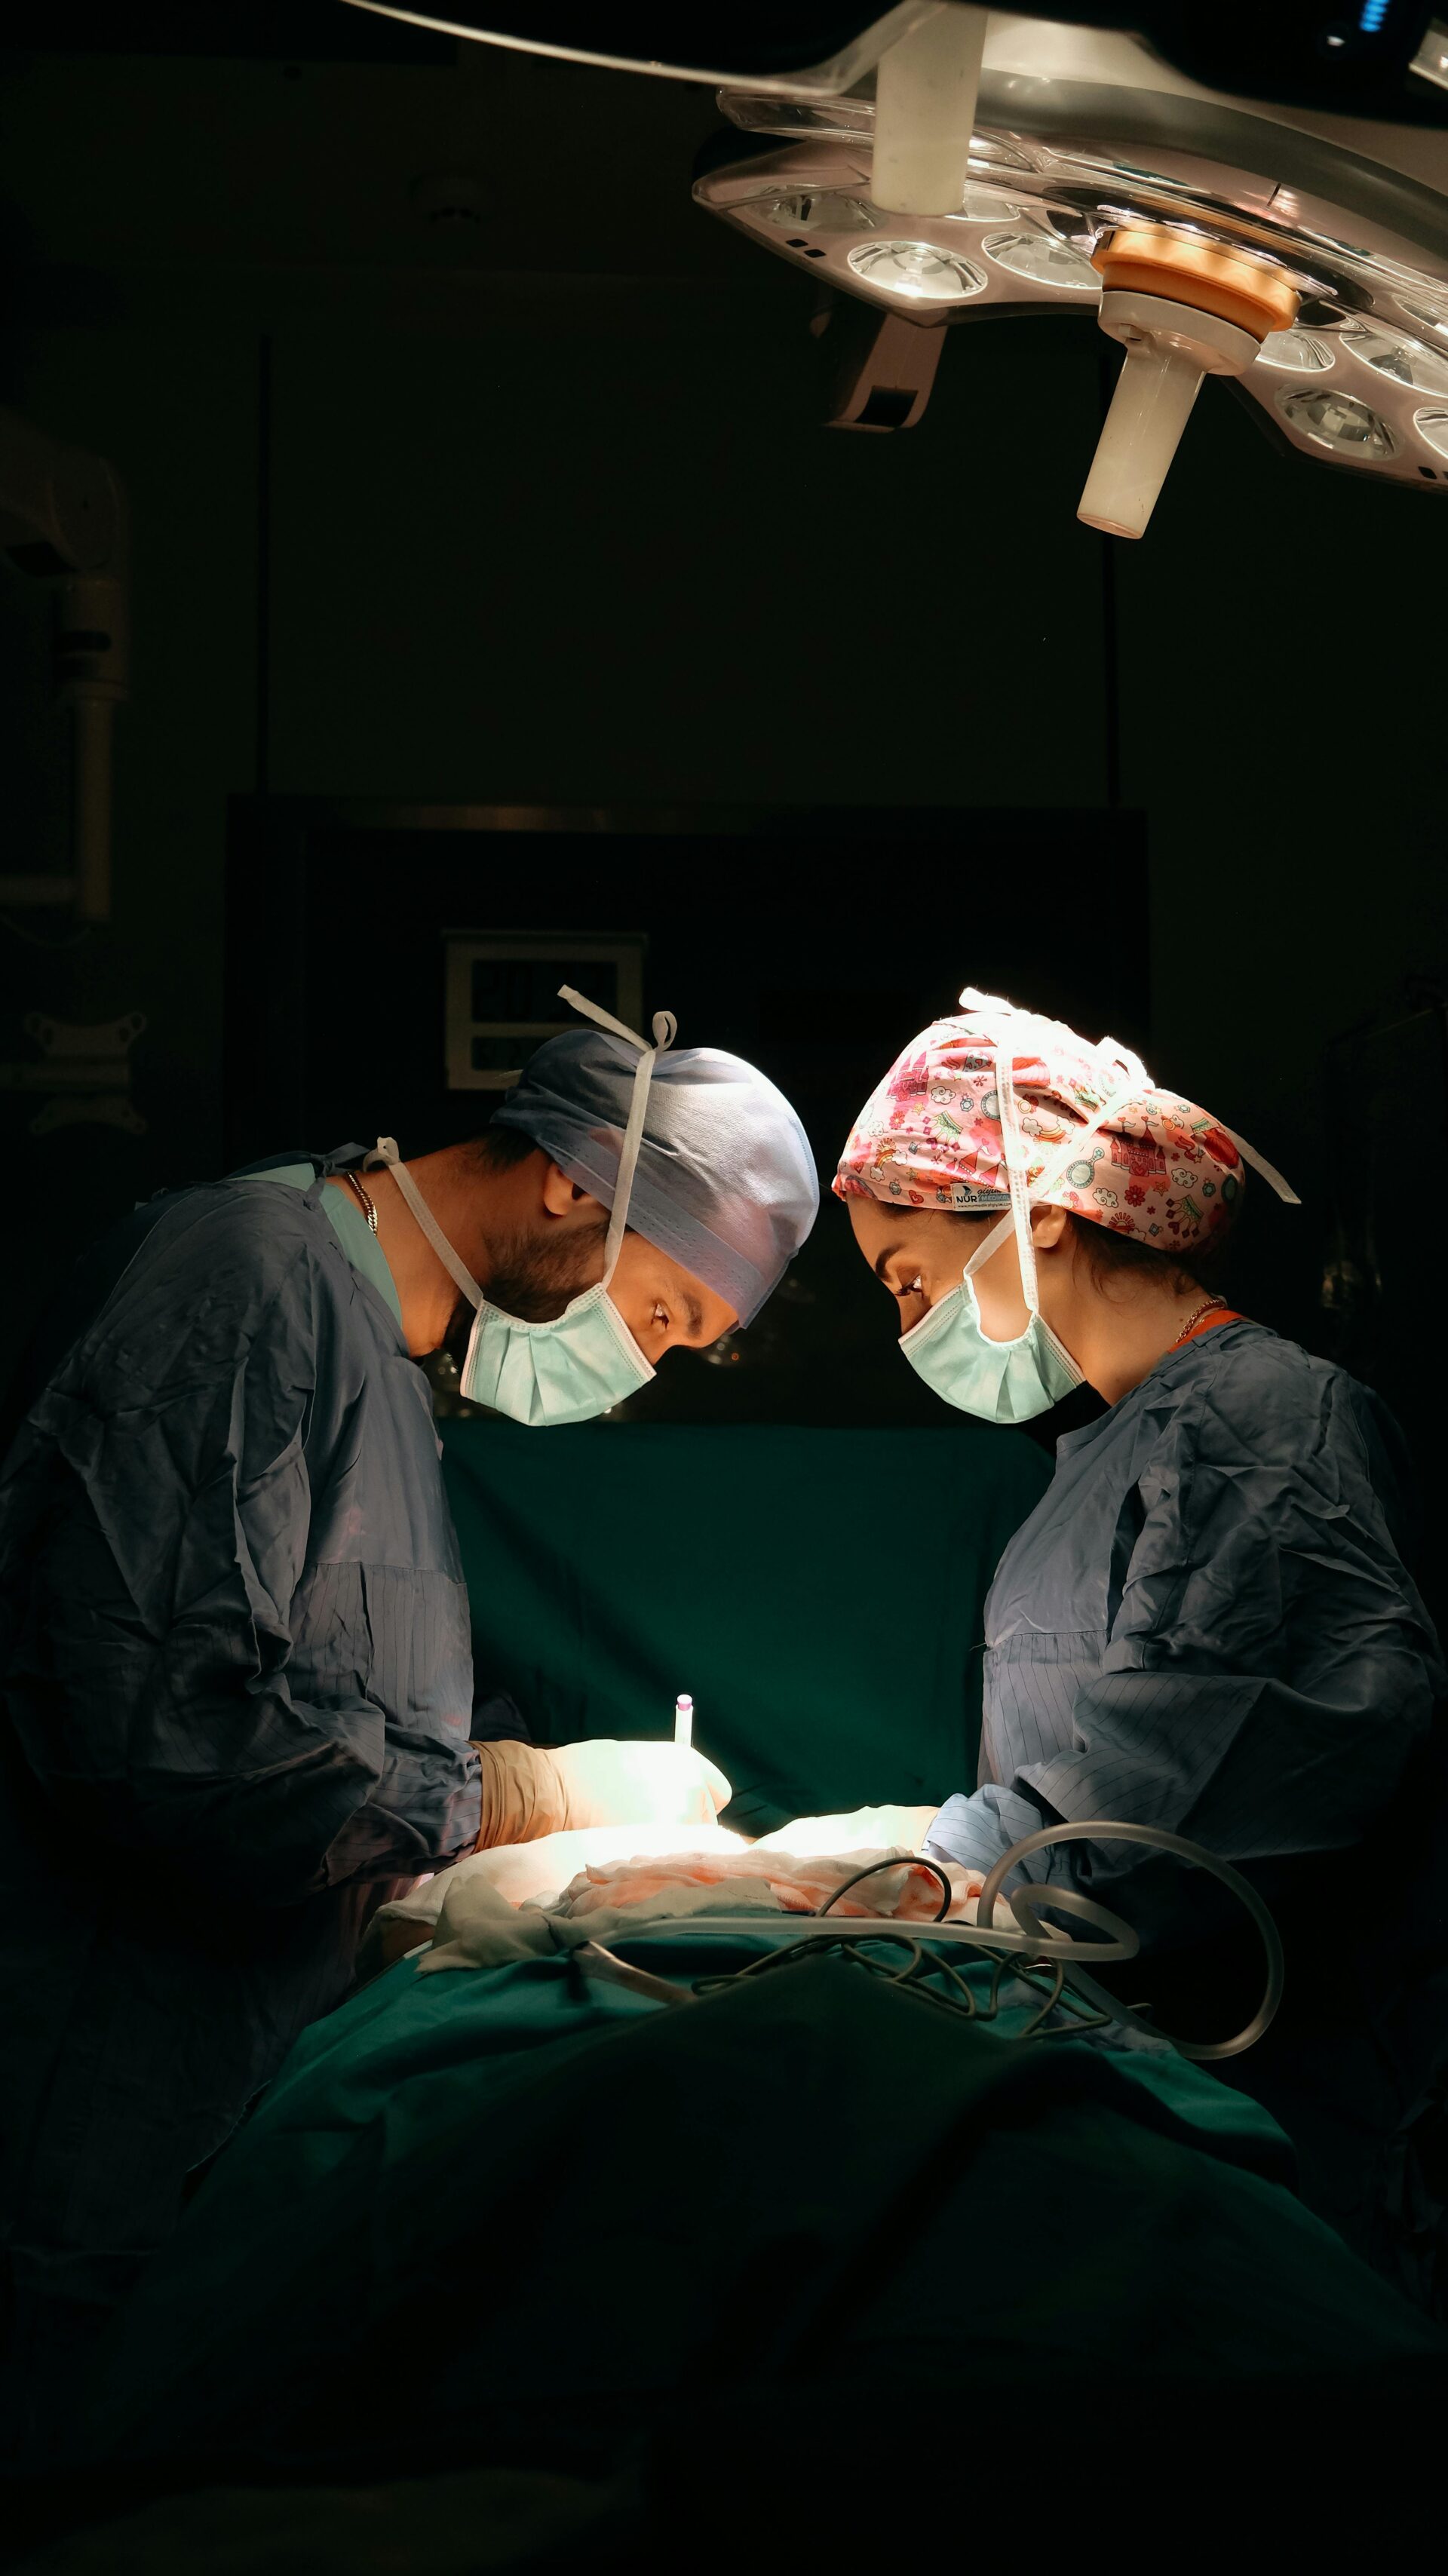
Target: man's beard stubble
532, 1279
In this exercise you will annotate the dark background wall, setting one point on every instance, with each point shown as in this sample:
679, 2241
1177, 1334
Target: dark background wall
536, 507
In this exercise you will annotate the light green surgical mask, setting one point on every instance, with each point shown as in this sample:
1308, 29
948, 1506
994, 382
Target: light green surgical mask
579, 1365
1000, 1381
585, 1360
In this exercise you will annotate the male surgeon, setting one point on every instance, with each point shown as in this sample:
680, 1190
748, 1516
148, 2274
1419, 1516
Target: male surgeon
235, 1670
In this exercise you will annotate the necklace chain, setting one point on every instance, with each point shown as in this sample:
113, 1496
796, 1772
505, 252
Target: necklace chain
364, 1200
1207, 1307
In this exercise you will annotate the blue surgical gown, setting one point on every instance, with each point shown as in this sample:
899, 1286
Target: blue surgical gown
235, 1691
1206, 1625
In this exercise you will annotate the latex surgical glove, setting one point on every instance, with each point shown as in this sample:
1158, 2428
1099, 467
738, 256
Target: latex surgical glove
607, 1782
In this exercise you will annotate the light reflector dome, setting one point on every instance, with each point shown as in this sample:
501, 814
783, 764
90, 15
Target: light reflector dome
918, 271
1044, 259
1340, 422
1430, 316
1295, 352
819, 210
984, 206
1432, 426
1402, 361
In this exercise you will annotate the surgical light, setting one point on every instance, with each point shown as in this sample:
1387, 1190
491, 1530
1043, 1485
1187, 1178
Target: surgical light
1244, 244
1249, 235
1400, 360
1045, 260
918, 270
1339, 421
1295, 352
1433, 427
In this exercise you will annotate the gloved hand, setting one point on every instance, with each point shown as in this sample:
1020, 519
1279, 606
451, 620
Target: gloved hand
606, 1782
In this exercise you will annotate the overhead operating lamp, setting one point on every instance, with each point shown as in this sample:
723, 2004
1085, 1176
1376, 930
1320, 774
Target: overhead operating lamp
1252, 192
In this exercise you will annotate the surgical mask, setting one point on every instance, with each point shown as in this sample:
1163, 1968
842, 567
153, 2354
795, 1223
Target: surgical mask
585, 1360
1000, 1381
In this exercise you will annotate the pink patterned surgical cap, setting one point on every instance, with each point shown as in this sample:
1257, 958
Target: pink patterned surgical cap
1154, 1166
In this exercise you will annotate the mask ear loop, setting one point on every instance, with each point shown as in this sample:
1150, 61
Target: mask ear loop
1014, 1149
1018, 1222
385, 1151
666, 1029
985, 1251
1134, 1078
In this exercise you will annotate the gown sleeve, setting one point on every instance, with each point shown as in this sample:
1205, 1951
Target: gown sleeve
1268, 1667
162, 1492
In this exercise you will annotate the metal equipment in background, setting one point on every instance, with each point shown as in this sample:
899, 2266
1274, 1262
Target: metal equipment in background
943, 165
63, 520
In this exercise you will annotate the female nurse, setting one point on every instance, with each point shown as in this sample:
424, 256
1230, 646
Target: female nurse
1206, 1624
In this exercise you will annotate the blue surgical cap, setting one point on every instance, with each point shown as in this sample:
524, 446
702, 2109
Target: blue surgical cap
726, 1180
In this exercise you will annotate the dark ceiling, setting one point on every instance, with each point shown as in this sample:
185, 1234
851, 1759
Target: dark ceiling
312, 31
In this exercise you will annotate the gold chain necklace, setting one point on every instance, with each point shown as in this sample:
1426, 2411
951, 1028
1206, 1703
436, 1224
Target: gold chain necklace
1206, 1307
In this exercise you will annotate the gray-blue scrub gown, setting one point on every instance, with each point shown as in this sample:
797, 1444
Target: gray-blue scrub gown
235, 1691
1206, 1625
